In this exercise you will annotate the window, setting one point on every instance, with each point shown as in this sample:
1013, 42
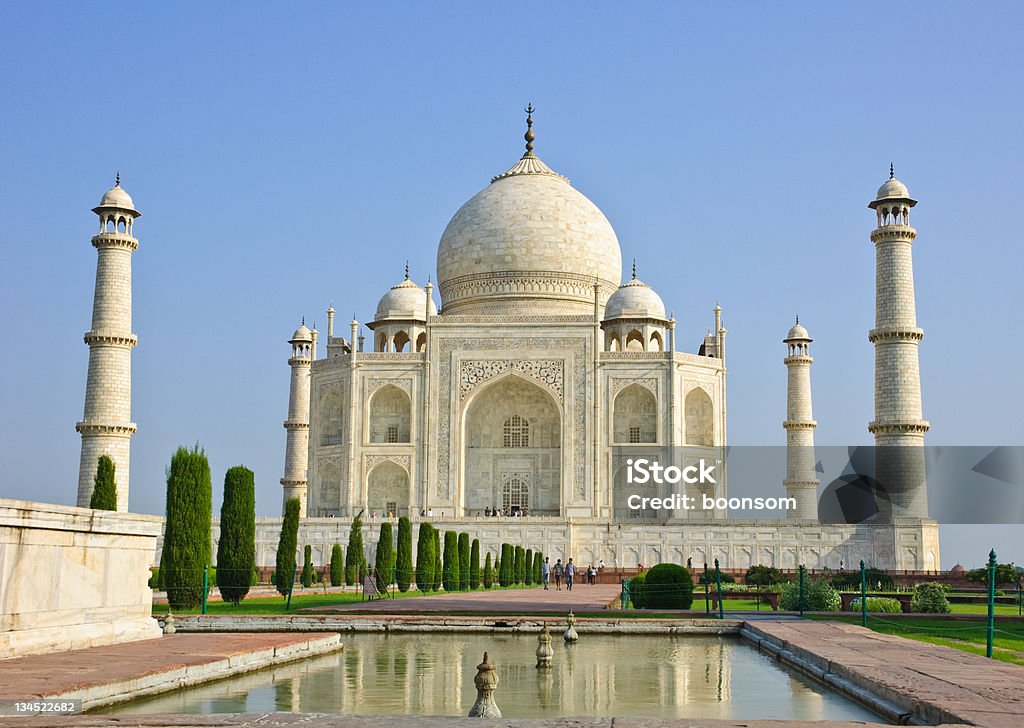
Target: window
392, 435
634, 434
391, 508
516, 432
515, 495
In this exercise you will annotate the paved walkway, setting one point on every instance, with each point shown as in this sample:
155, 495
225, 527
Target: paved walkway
939, 684
582, 598
99, 675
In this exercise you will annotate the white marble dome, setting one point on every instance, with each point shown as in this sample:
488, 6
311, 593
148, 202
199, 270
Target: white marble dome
798, 333
302, 334
892, 189
117, 199
405, 301
531, 240
634, 299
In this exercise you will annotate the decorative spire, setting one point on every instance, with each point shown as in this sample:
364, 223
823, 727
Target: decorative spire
303, 320
892, 171
634, 269
798, 319
406, 269
117, 179
529, 136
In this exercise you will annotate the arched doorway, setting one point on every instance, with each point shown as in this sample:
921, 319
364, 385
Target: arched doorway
387, 489
512, 449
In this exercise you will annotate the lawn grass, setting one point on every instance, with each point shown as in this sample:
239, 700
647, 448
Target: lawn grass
966, 636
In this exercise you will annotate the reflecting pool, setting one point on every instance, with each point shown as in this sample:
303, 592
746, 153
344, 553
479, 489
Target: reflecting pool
601, 675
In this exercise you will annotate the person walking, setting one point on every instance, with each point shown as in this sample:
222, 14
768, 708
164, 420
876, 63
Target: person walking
591, 575
570, 574
545, 572
558, 571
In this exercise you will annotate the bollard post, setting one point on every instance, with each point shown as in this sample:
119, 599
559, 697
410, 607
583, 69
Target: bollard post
486, 680
707, 590
863, 595
991, 602
718, 581
801, 571
570, 634
206, 584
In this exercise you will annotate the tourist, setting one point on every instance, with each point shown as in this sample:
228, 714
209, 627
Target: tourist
545, 572
591, 575
600, 565
558, 571
570, 574
430, 513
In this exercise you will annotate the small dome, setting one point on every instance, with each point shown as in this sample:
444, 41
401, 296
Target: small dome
892, 188
798, 333
634, 299
957, 569
405, 301
117, 199
301, 334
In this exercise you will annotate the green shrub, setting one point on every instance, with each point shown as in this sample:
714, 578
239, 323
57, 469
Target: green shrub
403, 557
355, 554
463, 561
104, 492
1005, 574
236, 548
929, 598
883, 605
636, 591
255, 576
187, 547
519, 565
425, 558
337, 565
384, 564
286, 546
438, 569
154, 577
488, 572
538, 567
819, 596
528, 567
726, 577
505, 574
668, 586
450, 574
875, 579
306, 578
763, 576
474, 564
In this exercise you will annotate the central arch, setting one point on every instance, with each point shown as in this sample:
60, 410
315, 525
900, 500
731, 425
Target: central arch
387, 489
512, 436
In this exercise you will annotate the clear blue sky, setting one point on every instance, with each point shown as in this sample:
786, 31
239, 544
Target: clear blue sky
287, 157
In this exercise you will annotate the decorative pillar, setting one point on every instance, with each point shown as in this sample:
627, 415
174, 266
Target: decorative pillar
297, 425
801, 481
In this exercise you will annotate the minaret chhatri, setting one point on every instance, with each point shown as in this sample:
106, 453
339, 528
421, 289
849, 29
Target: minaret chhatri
297, 425
898, 427
106, 425
801, 481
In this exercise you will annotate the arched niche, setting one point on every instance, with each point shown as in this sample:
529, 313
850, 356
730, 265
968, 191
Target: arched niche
634, 416
387, 489
331, 419
390, 415
700, 422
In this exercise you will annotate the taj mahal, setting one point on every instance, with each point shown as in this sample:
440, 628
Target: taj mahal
506, 402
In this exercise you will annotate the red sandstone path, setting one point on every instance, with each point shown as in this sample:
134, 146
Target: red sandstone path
62, 672
582, 598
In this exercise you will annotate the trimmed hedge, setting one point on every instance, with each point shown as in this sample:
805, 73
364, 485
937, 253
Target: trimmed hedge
474, 564
337, 565
186, 549
286, 545
668, 586
488, 572
403, 557
384, 564
236, 548
636, 590
463, 561
425, 558
883, 605
355, 555
929, 598
104, 491
450, 574
819, 596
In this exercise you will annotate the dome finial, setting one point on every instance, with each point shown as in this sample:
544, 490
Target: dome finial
892, 171
798, 319
117, 179
406, 269
529, 136
634, 269
303, 320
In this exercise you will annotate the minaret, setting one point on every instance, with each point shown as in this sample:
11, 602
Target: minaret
801, 481
296, 452
106, 425
898, 422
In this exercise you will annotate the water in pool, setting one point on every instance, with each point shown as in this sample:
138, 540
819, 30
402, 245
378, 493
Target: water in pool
432, 674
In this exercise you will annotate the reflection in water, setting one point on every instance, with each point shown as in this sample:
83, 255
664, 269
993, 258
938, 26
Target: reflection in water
420, 674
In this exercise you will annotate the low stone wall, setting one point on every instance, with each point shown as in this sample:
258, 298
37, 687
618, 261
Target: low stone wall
73, 577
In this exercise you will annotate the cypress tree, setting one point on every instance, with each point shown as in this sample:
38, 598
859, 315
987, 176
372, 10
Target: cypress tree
284, 571
507, 558
474, 564
425, 558
528, 567
104, 492
463, 561
236, 549
403, 559
186, 550
538, 567
450, 575
355, 557
438, 572
488, 572
519, 570
306, 579
385, 561
337, 565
